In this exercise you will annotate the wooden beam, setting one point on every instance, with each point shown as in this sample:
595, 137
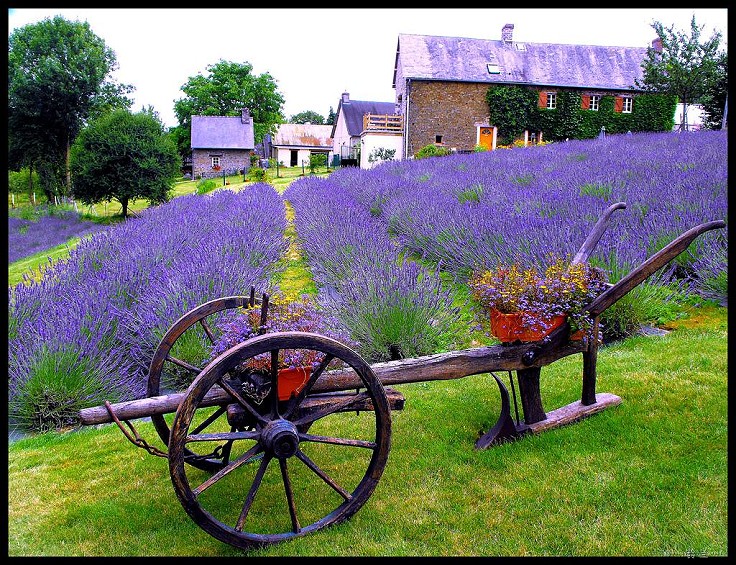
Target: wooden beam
575, 411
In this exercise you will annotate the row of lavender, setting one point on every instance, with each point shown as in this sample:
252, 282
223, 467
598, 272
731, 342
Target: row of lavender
93, 322
28, 236
467, 212
392, 308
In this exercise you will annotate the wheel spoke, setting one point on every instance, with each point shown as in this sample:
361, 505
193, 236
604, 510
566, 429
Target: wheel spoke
274, 383
322, 475
242, 401
226, 436
214, 416
338, 441
184, 364
296, 528
207, 330
228, 469
294, 402
252, 492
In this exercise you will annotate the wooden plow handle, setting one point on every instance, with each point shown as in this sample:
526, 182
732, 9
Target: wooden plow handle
649, 267
592, 240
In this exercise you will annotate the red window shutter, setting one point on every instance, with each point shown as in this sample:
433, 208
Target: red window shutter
619, 104
542, 99
586, 101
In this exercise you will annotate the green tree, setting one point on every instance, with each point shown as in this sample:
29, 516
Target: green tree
684, 66
124, 156
225, 91
716, 95
57, 79
307, 117
331, 117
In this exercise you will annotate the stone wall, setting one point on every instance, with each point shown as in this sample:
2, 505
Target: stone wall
452, 110
232, 161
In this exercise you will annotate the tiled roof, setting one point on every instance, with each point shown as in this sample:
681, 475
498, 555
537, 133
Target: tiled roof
355, 109
303, 135
221, 132
547, 64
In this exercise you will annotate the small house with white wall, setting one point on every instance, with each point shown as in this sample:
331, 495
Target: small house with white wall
364, 129
294, 143
695, 117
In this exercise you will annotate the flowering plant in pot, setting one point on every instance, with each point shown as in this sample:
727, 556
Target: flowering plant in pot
526, 304
294, 365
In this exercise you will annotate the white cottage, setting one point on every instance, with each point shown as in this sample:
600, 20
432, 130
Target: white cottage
362, 128
294, 143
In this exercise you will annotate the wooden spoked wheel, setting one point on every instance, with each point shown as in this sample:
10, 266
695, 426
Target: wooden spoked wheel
193, 331
306, 463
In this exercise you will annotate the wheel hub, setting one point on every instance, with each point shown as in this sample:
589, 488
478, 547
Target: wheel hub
280, 437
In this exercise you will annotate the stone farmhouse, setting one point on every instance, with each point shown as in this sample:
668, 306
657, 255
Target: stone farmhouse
221, 144
441, 82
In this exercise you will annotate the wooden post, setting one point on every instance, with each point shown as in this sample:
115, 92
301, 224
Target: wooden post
590, 358
531, 398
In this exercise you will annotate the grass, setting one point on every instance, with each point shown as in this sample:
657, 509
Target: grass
646, 478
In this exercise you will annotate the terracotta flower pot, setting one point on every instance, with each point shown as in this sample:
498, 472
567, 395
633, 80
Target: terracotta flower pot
512, 327
291, 381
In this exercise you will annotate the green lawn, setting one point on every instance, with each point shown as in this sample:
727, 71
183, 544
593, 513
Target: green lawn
646, 478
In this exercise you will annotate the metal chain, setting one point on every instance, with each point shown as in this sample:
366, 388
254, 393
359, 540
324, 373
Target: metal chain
138, 441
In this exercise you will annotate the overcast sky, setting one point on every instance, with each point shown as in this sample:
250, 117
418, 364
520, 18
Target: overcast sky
316, 54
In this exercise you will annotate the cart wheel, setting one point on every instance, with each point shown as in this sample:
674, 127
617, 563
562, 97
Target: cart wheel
327, 459
191, 332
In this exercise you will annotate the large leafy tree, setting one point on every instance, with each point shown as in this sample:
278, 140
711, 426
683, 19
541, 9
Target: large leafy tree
685, 66
715, 99
307, 117
124, 156
57, 80
225, 91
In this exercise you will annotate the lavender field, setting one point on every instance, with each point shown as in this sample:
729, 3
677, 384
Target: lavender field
88, 329
463, 213
389, 249
29, 236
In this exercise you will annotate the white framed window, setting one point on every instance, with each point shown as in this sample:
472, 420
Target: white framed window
551, 100
628, 104
595, 102
215, 161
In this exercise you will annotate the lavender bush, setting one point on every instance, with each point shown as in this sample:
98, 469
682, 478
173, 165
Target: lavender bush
101, 313
391, 307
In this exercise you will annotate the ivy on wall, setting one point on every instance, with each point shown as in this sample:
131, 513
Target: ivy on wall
514, 109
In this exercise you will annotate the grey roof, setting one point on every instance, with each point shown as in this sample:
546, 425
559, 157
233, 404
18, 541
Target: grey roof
425, 57
304, 135
222, 132
354, 110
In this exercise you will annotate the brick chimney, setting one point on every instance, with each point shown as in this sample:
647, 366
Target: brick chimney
657, 44
345, 98
507, 32
245, 116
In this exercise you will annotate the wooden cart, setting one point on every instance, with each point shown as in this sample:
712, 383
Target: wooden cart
226, 431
